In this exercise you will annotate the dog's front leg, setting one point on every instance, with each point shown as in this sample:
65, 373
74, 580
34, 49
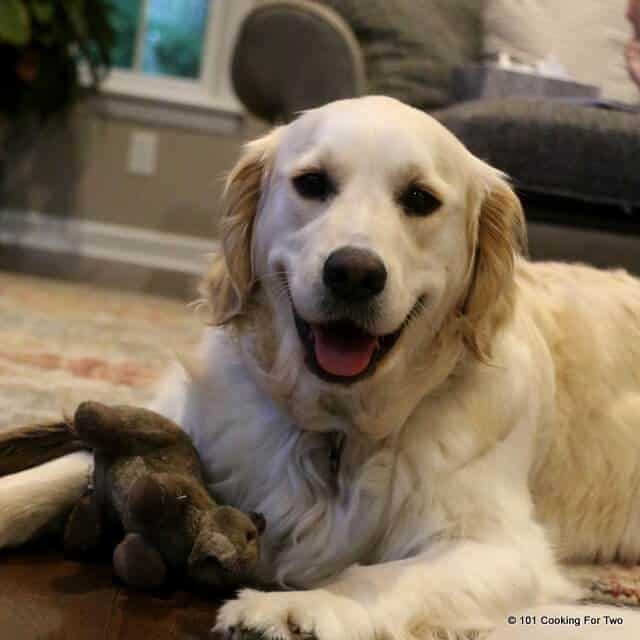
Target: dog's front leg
456, 586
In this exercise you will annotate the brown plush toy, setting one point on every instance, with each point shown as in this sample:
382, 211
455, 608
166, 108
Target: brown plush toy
148, 481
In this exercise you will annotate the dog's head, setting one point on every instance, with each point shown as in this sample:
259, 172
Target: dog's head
365, 227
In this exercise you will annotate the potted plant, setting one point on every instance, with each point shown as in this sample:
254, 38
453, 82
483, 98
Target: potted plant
48, 49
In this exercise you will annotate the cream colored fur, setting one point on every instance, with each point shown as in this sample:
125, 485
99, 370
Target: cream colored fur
498, 438
31, 500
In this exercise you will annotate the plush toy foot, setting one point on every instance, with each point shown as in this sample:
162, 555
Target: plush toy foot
83, 531
138, 564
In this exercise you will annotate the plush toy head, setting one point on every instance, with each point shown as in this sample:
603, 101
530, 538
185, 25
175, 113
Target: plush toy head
226, 547
222, 542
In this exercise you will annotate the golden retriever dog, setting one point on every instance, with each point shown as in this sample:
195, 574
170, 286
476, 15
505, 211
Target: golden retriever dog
431, 424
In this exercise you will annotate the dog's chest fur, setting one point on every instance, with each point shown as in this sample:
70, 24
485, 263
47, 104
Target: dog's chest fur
258, 460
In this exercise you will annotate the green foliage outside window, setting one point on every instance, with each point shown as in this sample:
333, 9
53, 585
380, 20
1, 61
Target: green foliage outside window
175, 37
124, 20
171, 36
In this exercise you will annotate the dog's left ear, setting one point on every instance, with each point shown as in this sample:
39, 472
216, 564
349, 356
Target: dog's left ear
228, 281
499, 234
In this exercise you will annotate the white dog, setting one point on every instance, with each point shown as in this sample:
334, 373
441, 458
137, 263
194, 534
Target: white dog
430, 423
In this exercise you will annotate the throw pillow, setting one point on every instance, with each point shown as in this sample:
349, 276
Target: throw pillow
587, 36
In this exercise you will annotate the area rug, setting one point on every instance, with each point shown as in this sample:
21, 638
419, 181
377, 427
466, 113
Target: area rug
610, 584
62, 343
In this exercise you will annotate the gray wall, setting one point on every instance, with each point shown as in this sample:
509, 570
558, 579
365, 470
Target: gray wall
79, 169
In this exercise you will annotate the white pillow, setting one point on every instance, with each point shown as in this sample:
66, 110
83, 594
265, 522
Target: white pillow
587, 36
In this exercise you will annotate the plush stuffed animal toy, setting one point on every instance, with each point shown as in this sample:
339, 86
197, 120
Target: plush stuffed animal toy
148, 483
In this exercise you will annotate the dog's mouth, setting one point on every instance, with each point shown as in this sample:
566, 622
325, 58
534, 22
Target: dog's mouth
341, 351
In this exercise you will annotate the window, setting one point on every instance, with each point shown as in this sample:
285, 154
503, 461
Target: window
160, 37
171, 61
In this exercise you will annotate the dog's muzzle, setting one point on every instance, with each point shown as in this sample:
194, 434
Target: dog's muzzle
341, 351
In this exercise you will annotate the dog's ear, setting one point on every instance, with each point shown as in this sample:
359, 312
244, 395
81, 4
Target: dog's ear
228, 281
499, 234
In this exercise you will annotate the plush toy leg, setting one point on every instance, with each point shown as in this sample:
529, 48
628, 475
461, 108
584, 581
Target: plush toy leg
154, 499
138, 564
83, 531
125, 430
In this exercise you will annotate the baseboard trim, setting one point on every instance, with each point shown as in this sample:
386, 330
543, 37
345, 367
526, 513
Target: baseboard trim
106, 242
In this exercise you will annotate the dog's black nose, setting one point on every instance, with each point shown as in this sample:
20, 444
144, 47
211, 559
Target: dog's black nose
353, 274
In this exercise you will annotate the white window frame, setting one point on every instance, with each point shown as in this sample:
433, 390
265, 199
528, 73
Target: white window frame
207, 103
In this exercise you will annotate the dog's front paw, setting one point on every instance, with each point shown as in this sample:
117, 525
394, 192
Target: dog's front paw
293, 615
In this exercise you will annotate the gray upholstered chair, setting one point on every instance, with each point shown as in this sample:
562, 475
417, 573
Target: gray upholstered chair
292, 55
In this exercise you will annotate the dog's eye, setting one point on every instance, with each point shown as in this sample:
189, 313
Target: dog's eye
418, 202
315, 185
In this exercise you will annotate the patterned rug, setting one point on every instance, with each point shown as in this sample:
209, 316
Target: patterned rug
610, 584
62, 343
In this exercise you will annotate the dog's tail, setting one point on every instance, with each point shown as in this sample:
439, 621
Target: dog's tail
27, 447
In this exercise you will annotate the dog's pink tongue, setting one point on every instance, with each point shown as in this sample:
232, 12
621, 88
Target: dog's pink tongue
343, 352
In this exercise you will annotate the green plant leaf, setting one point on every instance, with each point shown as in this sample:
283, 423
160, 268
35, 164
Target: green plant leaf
77, 29
76, 13
15, 24
42, 10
